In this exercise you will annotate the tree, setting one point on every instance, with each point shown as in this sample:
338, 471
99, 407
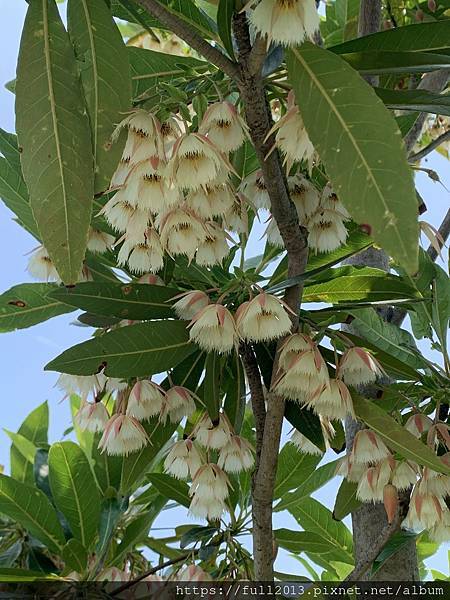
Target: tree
142, 174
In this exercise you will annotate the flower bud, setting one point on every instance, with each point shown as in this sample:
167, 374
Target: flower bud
390, 500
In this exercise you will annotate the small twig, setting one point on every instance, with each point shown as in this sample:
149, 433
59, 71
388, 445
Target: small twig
256, 394
186, 33
431, 146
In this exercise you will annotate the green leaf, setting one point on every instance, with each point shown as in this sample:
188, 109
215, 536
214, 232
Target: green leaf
132, 351
396, 542
353, 132
441, 305
171, 488
210, 389
302, 541
149, 68
23, 575
224, 18
32, 509
75, 556
306, 422
311, 483
125, 301
53, 132
105, 76
396, 436
74, 490
34, 428
417, 100
26, 448
426, 37
245, 160
234, 403
388, 337
294, 468
317, 519
346, 500
27, 304
110, 512
382, 62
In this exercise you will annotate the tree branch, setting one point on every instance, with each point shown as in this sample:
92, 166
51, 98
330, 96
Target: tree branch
186, 33
256, 394
431, 146
257, 55
259, 120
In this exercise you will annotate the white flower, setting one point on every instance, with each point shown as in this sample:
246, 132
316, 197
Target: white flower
193, 573
287, 22
92, 417
304, 195
223, 126
214, 248
190, 303
334, 402
144, 257
236, 218
181, 232
358, 367
426, 511
123, 435
80, 384
435, 483
330, 201
418, 424
440, 533
195, 162
373, 481
114, 384
213, 435
144, 136
183, 460
211, 201
236, 455
263, 318
41, 267
145, 188
145, 400
326, 231
304, 445
292, 138
178, 403
121, 173
368, 447
99, 241
273, 234
123, 217
213, 328
254, 189
349, 469
209, 490
404, 475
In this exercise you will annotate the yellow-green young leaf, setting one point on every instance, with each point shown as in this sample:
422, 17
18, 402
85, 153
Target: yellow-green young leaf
74, 490
105, 75
33, 428
32, 509
361, 147
54, 135
75, 556
346, 500
396, 436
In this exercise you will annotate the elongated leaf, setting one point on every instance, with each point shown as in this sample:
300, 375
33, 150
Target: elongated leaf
32, 509
346, 500
23, 575
347, 12
132, 351
171, 488
34, 428
293, 469
354, 133
426, 37
389, 338
224, 16
311, 483
74, 490
316, 518
53, 132
441, 305
399, 540
302, 541
234, 403
396, 436
210, 388
27, 304
111, 511
148, 68
75, 556
126, 301
26, 447
380, 61
416, 100
105, 75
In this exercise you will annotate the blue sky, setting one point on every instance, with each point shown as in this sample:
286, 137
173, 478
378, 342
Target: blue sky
23, 383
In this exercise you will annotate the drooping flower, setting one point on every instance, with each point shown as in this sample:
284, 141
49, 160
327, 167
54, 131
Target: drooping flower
330, 201
145, 256
358, 367
286, 22
224, 126
263, 318
183, 460
213, 435
273, 234
190, 303
214, 328
81, 384
211, 200
99, 241
435, 483
236, 455
146, 188
304, 445
440, 533
193, 573
334, 402
254, 189
181, 232
418, 424
41, 267
236, 218
123, 217
404, 475
144, 136
123, 435
369, 447
151, 279
214, 248
178, 403
373, 481
195, 162
145, 400
351, 470
326, 231
209, 490
426, 511
304, 195
92, 416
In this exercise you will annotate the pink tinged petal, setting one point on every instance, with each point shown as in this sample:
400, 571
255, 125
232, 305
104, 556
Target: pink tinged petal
390, 500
